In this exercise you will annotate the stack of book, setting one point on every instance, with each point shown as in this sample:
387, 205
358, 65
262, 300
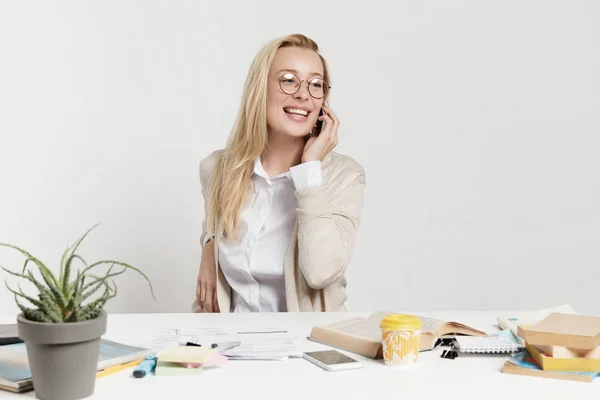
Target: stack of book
560, 346
15, 374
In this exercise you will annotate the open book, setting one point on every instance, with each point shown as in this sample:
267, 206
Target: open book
363, 335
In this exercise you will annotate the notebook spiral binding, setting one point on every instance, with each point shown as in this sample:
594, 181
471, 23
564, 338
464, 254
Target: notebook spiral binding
486, 345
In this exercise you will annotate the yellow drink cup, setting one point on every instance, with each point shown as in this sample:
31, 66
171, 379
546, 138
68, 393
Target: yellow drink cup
400, 337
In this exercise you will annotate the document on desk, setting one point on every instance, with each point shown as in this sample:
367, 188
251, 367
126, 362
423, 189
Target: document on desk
154, 340
254, 344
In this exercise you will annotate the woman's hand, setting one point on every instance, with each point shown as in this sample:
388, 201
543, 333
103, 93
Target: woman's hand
206, 288
317, 147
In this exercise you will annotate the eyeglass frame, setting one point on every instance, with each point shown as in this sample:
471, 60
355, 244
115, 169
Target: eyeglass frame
278, 79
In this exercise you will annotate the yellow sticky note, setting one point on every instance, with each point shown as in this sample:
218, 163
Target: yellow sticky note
186, 354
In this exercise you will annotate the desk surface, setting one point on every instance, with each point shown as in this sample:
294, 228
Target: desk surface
466, 377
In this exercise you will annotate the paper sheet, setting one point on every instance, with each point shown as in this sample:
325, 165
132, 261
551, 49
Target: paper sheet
256, 344
263, 344
157, 340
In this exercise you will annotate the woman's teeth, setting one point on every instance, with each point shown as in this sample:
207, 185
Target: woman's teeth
295, 111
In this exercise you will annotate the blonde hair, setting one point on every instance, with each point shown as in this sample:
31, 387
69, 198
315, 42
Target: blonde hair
230, 180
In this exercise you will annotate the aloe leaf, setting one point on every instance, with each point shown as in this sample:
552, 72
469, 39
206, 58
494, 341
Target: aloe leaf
20, 293
64, 277
66, 286
97, 263
46, 273
33, 315
99, 281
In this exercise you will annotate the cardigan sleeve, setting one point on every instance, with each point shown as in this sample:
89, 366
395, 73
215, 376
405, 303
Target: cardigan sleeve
327, 228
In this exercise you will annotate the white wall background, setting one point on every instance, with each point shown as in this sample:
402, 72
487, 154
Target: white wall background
476, 121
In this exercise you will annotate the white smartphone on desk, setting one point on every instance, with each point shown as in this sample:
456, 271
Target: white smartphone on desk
332, 360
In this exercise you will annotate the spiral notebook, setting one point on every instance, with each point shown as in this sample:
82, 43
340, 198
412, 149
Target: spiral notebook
467, 344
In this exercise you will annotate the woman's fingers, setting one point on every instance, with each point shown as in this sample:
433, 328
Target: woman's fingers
198, 290
331, 114
333, 137
326, 132
317, 147
216, 301
202, 302
330, 136
208, 298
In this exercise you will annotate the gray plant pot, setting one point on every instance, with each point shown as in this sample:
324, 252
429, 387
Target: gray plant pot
63, 357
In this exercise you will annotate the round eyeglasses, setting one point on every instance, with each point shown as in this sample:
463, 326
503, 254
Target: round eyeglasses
290, 84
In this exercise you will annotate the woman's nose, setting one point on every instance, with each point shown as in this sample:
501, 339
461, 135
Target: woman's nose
302, 92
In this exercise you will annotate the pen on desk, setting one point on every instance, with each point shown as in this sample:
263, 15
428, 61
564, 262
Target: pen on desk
218, 346
116, 368
226, 346
145, 367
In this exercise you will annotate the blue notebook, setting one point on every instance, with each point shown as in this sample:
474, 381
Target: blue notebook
523, 364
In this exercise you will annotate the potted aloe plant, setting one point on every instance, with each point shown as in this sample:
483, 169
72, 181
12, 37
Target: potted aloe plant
62, 325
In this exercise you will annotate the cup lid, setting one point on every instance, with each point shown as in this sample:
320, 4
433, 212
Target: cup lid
401, 321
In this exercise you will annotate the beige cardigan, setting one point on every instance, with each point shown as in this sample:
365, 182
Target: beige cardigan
327, 221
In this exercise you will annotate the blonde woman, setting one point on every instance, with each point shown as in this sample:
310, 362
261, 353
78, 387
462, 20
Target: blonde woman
282, 209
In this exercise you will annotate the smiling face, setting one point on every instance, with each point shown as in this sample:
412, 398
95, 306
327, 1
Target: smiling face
295, 114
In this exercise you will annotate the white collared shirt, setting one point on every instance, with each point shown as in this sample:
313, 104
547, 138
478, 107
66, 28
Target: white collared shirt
253, 266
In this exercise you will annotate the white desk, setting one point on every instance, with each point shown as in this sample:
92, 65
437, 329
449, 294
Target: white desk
466, 377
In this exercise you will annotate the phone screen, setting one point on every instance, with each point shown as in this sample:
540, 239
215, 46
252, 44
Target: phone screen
331, 357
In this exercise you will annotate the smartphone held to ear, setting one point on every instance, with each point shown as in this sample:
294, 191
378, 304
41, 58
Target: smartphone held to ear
332, 360
320, 124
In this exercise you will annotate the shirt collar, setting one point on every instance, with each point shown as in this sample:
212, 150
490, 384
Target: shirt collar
260, 171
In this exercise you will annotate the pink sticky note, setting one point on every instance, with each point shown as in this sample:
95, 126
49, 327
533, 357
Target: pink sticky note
190, 365
217, 359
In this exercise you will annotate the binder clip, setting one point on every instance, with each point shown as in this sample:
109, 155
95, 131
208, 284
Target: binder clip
451, 353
